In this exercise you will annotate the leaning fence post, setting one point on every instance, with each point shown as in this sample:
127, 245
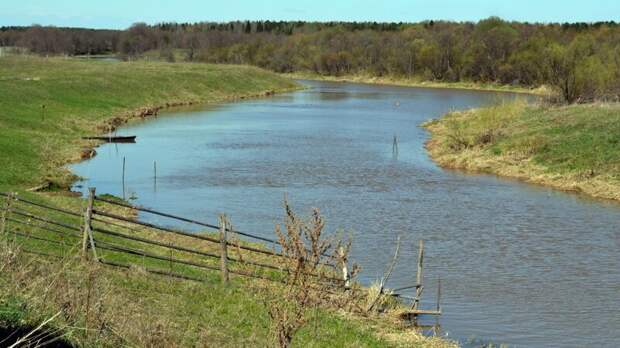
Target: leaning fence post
223, 248
418, 288
5, 214
87, 230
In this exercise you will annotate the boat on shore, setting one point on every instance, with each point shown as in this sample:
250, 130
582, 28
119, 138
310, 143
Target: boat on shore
114, 139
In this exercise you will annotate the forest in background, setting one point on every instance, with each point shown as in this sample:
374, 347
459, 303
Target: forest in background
580, 60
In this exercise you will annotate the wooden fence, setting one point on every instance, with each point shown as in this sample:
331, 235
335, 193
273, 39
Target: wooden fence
102, 232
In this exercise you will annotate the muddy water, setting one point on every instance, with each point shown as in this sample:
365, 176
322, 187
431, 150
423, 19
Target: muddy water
521, 265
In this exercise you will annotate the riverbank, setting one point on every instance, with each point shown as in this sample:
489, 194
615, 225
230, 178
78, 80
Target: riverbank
47, 105
394, 81
572, 148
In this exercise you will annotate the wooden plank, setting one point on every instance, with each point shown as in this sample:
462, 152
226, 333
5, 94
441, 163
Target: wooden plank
423, 312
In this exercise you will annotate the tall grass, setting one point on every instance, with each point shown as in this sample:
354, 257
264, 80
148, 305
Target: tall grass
573, 147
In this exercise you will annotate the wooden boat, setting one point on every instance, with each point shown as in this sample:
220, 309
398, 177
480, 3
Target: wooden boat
114, 139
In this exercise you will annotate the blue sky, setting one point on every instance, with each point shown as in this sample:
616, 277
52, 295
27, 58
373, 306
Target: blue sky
122, 13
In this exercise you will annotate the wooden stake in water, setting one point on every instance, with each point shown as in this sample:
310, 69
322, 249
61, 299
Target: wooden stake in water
418, 291
395, 146
155, 175
123, 178
439, 294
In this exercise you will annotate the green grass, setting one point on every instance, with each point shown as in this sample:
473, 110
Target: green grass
80, 95
574, 147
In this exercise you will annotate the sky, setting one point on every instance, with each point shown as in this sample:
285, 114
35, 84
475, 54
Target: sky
120, 14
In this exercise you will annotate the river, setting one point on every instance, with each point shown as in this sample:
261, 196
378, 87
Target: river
522, 265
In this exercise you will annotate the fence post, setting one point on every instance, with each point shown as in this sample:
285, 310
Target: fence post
418, 288
5, 214
223, 248
87, 230
439, 295
346, 276
123, 178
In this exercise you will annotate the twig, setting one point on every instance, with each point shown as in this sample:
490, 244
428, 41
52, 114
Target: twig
25, 338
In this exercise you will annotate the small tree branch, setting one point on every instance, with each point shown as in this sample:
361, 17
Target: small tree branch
387, 275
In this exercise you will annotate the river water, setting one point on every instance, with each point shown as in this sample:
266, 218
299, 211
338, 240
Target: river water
522, 265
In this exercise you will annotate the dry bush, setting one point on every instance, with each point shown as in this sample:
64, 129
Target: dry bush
310, 283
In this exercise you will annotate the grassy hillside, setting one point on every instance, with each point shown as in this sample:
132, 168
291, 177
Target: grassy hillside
98, 306
574, 148
46, 105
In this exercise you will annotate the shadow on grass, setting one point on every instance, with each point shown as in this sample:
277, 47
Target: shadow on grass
10, 335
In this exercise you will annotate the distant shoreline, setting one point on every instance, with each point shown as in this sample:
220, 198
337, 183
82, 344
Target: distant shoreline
404, 82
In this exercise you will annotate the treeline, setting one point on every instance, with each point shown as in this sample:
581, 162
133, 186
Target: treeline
54, 41
581, 60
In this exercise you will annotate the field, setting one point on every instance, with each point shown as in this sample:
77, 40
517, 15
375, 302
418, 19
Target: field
573, 148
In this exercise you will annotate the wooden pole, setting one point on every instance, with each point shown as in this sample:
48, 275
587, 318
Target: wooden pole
395, 147
123, 178
223, 249
5, 214
416, 301
87, 230
155, 173
346, 276
439, 294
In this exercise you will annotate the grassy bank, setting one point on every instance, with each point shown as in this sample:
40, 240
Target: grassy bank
101, 306
574, 148
416, 82
46, 105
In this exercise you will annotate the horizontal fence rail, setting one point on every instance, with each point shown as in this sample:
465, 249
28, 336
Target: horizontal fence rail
42, 228
19, 199
191, 221
54, 229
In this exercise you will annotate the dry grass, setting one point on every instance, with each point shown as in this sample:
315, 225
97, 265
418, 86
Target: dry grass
572, 148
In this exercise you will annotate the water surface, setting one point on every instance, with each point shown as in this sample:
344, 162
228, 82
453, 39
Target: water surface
520, 264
